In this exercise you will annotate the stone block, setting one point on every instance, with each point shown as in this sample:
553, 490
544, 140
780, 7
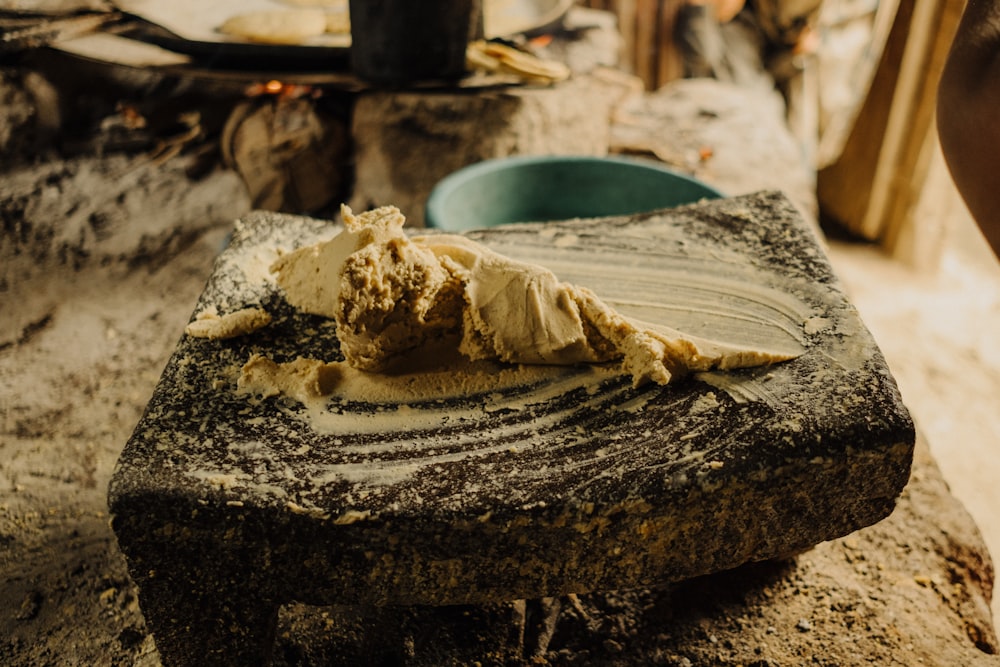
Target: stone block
226, 507
405, 142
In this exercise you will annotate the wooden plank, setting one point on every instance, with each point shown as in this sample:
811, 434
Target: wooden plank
626, 12
899, 168
916, 139
837, 128
844, 188
669, 62
647, 31
646, 41
874, 187
932, 210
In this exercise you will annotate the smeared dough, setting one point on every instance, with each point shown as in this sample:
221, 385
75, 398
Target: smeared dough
209, 324
302, 379
392, 296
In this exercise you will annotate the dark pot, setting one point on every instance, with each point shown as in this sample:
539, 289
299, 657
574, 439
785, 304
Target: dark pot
395, 42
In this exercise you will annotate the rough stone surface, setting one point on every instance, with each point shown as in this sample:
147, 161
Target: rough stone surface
906, 591
97, 314
588, 485
735, 138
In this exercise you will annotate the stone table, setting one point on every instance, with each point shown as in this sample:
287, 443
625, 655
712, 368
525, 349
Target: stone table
227, 507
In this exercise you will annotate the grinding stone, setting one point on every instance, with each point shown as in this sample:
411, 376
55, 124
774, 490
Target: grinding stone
228, 506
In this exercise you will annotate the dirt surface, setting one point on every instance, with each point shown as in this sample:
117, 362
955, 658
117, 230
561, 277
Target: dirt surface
936, 326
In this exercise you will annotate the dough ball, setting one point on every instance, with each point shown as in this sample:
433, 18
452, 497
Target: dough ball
338, 23
322, 4
290, 26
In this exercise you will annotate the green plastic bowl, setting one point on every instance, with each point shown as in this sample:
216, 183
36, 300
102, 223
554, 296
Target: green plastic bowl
542, 188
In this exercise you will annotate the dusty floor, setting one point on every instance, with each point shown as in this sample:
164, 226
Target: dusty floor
938, 331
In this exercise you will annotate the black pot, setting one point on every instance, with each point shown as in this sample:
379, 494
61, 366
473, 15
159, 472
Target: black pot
396, 42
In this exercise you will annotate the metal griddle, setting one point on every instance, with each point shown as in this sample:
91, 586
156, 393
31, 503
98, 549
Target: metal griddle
191, 26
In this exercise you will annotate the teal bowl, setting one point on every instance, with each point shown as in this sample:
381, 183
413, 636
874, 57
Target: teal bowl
542, 188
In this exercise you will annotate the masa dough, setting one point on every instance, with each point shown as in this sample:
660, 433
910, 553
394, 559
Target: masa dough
392, 296
302, 379
279, 26
209, 324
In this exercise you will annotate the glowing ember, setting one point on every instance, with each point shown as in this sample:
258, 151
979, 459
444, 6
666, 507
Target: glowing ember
281, 89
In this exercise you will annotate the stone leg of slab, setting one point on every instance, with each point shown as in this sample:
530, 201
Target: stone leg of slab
219, 620
206, 596
464, 634
194, 626
498, 634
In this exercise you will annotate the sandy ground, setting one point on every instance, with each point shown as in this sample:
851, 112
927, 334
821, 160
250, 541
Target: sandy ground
938, 331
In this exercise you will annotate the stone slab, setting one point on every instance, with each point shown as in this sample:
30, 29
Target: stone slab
911, 590
226, 508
